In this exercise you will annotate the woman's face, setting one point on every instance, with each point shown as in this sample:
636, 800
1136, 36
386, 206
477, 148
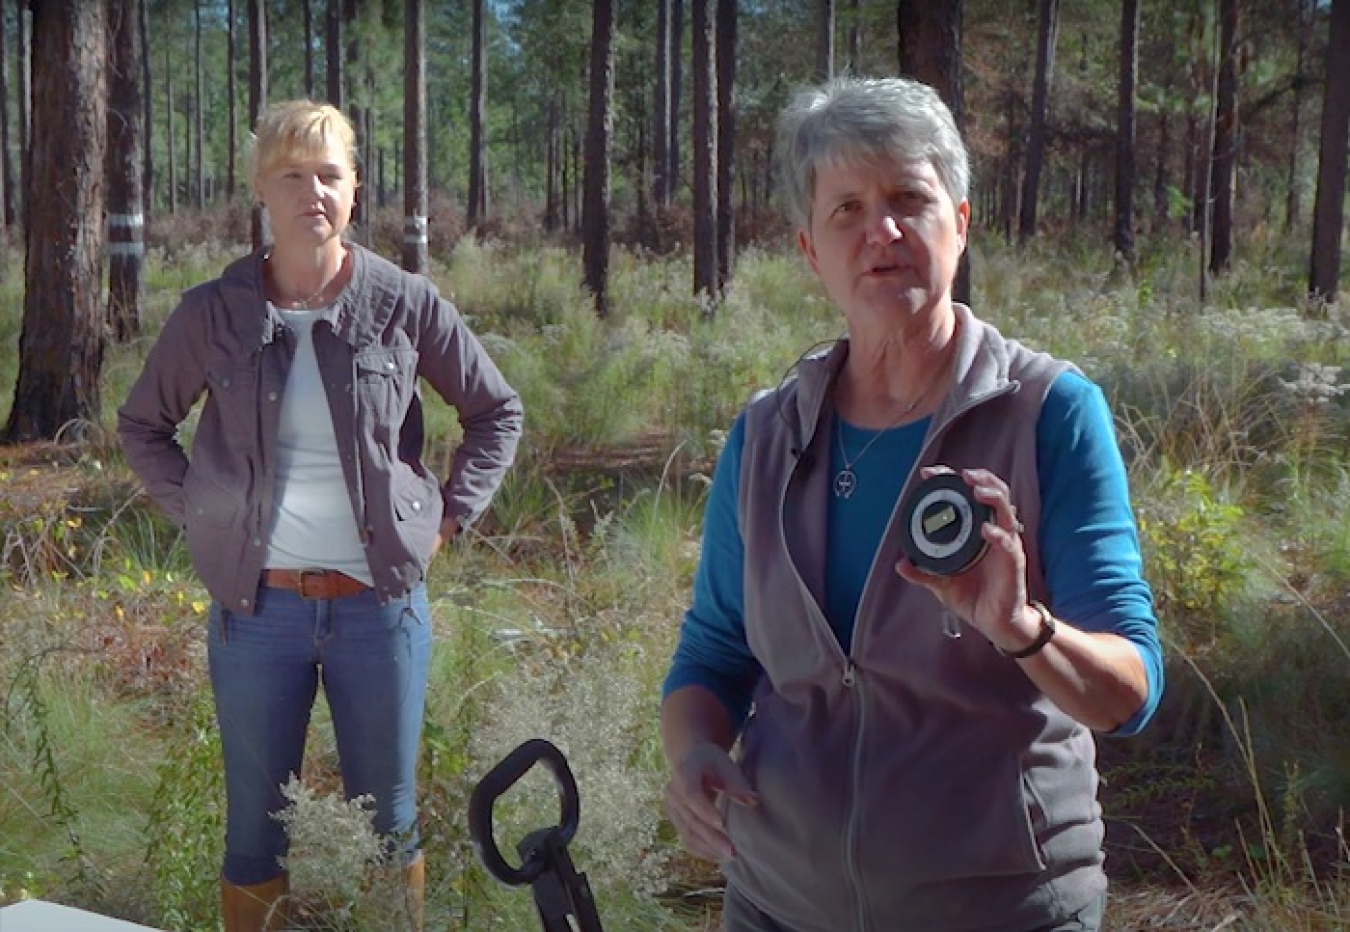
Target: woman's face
309, 198
884, 239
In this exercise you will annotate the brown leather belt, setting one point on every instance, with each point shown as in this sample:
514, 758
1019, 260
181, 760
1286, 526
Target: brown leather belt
314, 584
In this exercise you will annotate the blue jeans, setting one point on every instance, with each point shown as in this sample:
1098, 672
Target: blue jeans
373, 661
740, 915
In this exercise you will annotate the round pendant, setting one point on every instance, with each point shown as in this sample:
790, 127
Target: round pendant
845, 482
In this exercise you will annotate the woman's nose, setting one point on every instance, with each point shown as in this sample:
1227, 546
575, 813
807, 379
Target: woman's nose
882, 230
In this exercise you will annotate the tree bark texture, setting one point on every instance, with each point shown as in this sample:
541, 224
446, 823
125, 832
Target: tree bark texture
231, 117
1329, 203
824, 40
62, 342
147, 76
1225, 140
705, 151
24, 67
930, 51
198, 117
7, 179
1040, 97
727, 16
478, 196
661, 108
307, 30
171, 185
332, 46
125, 170
1125, 125
415, 136
257, 96
599, 129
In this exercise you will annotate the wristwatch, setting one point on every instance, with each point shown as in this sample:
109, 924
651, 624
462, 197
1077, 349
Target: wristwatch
1043, 638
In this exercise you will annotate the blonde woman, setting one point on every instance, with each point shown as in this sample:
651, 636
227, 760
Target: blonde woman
309, 514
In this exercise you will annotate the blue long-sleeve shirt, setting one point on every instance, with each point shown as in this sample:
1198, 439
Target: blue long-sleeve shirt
1088, 540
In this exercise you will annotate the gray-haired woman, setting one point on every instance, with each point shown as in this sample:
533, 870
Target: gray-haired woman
916, 748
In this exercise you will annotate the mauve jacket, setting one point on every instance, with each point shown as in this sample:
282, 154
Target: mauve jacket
386, 329
921, 783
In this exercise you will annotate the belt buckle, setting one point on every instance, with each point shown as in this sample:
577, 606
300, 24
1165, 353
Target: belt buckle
320, 576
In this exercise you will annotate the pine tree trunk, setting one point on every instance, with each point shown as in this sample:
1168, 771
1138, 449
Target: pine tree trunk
415, 136
332, 47
10, 215
257, 96
478, 199
125, 171
661, 109
599, 128
231, 117
1040, 97
1225, 140
705, 152
62, 343
1125, 115
824, 40
930, 51
1329, 205
727, 16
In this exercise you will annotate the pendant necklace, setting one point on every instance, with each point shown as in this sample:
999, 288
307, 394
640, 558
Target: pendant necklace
311, 302
846, 480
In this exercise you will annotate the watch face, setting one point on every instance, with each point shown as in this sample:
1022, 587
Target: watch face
940, 525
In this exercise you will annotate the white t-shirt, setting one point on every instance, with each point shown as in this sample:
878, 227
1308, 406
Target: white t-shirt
313, 526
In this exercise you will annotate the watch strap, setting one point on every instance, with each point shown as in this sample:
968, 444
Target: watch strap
1042, 638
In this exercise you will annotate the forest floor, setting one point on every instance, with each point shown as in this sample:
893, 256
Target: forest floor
1185, 848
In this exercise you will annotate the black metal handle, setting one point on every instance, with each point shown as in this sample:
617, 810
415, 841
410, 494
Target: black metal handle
500, 779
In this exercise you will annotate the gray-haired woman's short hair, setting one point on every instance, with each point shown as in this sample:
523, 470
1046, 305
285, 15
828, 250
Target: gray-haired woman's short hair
894, 119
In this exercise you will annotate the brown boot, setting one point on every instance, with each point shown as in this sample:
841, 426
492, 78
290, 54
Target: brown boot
258, 907
415, 891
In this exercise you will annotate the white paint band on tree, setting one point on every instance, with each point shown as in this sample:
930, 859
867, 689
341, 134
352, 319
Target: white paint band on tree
415, 229
126, 220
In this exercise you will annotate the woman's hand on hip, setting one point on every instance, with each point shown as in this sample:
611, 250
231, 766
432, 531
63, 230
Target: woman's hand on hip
449, 530
704, 773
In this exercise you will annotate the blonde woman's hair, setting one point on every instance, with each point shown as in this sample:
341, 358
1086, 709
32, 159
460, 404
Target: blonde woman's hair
297, 129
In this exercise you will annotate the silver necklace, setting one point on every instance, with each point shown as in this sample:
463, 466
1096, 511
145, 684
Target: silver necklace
304, 304
311, 302
846, 480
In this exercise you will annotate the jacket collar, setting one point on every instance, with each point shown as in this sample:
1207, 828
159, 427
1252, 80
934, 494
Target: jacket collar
360, 313
979, 369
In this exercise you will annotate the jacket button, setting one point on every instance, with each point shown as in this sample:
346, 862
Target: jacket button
244, 603
271, 396
257, 541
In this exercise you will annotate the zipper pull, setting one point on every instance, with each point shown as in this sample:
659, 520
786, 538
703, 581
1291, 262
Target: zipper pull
850, 674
